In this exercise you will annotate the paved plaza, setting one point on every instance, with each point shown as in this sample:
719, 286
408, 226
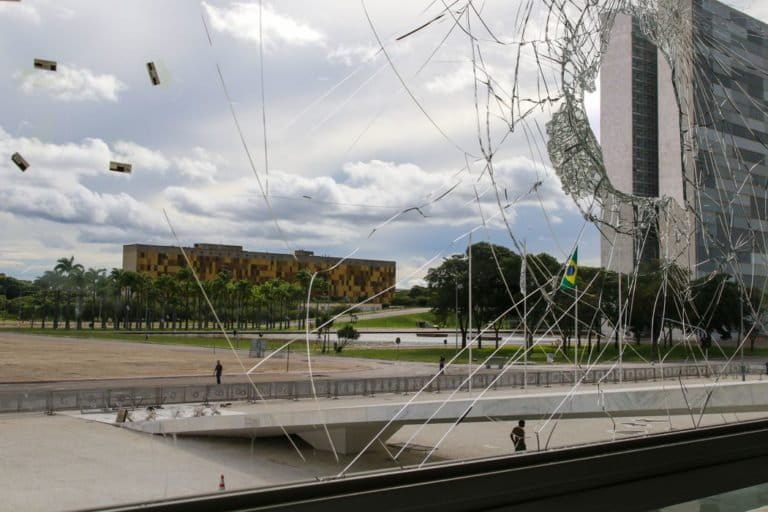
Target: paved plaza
87, 463
83, 462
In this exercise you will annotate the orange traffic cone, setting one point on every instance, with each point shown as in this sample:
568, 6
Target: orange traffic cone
221, 484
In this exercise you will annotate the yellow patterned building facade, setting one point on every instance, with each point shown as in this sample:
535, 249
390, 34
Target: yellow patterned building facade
352, 280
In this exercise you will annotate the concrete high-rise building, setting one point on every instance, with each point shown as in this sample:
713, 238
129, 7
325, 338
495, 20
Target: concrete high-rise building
353, 280
706, 151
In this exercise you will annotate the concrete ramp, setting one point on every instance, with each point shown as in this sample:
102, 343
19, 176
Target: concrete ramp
353, 423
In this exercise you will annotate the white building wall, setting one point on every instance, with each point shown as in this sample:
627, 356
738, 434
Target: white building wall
616, 138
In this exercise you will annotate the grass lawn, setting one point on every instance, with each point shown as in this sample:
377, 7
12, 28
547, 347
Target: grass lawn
407, 321
163, 339
632, 353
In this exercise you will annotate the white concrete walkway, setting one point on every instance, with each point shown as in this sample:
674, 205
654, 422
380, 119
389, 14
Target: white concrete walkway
353, 422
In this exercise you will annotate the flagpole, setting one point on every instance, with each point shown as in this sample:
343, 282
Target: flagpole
620, 327
470, 311
524, 289
569, 283
575, 333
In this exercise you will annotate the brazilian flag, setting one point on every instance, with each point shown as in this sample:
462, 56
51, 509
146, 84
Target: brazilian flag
569, 278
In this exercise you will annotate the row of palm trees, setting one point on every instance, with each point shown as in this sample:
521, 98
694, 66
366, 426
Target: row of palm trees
120, 299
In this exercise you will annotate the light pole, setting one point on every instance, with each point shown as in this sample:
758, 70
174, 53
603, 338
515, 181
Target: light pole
469, 309
741, 335
456, 312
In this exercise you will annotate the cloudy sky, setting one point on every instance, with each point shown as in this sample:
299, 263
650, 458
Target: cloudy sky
347, 146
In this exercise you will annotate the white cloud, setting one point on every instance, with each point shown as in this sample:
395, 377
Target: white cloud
353, 55
71, 193
63, 12
56, 164
140, 157
53, 164
323, 210
241, 20
449, 83
23, 10
50, 189
71, 84
53, 188
202, 166
462, 76
20, 11
77, 205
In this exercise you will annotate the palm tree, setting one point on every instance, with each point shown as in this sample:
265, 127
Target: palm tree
283, 295
243, 294
271, 295
294, 295
123, 282
140, 288
67, 268
259, 300
323, 288
186, 285
219, 294
167, 290
49, 288
230, 298
93, 277
78, 284
102, 289
205, 314
304, 278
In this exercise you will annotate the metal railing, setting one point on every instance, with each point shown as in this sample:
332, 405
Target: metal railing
109, 398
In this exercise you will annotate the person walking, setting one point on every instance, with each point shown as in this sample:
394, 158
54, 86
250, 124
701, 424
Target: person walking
518, 436
217, 371
442, 364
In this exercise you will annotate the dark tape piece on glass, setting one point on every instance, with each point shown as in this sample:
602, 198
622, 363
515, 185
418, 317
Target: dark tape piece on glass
153, 76
48, 65
120, 167
20, 162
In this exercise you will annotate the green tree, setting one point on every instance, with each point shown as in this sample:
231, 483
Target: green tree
304, 278
220, 295
447, 284
167, 289
72, 274
78, 284
345, 336
543, 273
123, 284
324, 324
495, 283
243, 296
49, 287
187, 287
716, 304
94, 279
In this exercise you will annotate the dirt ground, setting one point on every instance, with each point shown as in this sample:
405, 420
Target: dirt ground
25, 358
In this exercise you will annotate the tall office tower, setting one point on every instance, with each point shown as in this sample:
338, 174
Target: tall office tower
697, 135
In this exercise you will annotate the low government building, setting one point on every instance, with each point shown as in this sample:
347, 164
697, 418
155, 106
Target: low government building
353, 280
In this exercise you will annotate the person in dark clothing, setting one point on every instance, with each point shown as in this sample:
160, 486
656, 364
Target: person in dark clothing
442, 364
518, 436
217, 372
